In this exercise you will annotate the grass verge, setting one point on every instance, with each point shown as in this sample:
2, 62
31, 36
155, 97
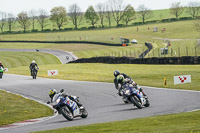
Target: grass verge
15, 108
16, 59
146, 75
174, 123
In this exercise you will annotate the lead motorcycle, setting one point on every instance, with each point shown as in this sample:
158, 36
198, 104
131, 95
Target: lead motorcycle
132, 95
67, 107
1, 72
34, 72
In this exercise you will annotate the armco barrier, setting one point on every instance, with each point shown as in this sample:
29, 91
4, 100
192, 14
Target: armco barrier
131, 60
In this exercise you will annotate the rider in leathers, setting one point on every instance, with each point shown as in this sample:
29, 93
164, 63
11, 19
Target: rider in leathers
121, 79
32, 66
54, 91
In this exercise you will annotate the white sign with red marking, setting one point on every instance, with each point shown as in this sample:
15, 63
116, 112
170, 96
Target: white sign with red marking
5, 69
182, 79
52, 72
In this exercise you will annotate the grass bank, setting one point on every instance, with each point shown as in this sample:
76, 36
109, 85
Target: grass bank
81, 50
15, 108
174, 123
174, 30
146, 75
17, 59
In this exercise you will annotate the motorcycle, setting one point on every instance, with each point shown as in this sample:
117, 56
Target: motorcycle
34, 72
1, 72
132, 95
67, 107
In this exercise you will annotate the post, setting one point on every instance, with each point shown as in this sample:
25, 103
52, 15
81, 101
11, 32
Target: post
153, 52
171, 52
165, 82
187, 51
179, 51
195, 51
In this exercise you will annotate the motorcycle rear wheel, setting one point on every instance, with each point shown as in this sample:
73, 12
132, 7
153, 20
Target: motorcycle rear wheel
66, 113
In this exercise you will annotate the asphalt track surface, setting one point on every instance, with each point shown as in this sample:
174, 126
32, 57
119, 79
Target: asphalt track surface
63, 56
100, 99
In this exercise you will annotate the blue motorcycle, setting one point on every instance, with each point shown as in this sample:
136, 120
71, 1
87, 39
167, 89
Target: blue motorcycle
67, 107
132, 95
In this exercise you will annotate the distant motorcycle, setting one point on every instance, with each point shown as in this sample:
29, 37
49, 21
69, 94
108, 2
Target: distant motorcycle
68, 108
34, 72
132, 95
1, 72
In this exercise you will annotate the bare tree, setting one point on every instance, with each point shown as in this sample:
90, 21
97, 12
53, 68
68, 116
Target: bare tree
117, 9
91, 15
144, 12
3, 16
129, 14
10, 21
108, 13
101, 10
59, 16
42, 18
23, 20
194, 9
33, 16
75, 15
176, 9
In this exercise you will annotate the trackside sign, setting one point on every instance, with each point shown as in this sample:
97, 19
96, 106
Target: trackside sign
52, 72
182, 79
5, 69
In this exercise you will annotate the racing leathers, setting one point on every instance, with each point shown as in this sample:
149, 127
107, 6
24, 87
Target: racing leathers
33, 66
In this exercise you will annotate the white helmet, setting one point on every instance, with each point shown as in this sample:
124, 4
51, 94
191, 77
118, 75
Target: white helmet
33, 61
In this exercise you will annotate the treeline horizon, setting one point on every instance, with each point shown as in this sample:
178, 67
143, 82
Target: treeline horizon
113, 13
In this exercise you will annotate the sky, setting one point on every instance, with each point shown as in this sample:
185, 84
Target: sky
17, 6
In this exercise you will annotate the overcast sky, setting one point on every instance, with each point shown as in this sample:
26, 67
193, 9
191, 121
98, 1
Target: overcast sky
16, 6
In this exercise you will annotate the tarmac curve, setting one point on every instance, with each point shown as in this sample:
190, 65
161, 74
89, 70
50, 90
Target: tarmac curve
100, 99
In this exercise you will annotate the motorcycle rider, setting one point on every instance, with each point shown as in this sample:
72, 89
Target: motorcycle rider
121, 79
116, 74
1, 65
54, 91
32, 66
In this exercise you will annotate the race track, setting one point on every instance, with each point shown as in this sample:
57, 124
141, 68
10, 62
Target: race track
100, 99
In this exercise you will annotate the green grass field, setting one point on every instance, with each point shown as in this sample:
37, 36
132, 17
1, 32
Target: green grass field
174, 30
15, 108
187, 36
81, 50
17, 59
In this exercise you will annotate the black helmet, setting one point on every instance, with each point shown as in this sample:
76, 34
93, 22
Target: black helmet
116, 73
52, 93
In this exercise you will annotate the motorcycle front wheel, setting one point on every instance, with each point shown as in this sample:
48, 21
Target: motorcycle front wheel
84, 113
66, 113
136, 101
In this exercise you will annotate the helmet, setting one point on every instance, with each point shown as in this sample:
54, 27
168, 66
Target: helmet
116, 73
120, 78
33, 61
52, 93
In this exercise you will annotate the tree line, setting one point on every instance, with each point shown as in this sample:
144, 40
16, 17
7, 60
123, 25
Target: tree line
111, 10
